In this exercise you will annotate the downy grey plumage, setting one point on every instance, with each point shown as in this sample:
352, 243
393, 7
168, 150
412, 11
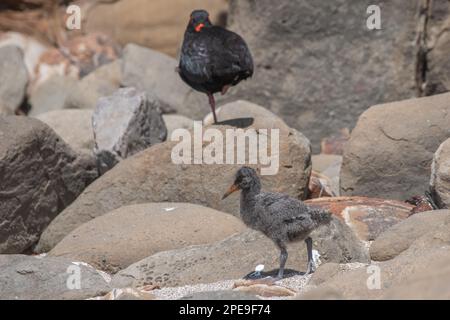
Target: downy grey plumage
280, 217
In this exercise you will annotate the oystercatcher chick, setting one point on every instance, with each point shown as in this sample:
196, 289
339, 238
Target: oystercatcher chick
281, 218
212, 58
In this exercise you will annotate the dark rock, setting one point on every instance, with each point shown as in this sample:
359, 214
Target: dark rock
39, 176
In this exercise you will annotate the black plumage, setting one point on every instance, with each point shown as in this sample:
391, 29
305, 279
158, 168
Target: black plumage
280, 217
212, 58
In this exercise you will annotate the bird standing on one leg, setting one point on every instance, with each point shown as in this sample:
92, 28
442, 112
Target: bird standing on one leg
280, 217
212, 58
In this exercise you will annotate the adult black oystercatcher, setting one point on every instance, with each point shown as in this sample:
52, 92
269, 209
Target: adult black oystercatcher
280, 217
213, 58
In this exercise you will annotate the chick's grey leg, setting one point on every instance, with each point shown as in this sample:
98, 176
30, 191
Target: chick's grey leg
310, 266
283, 259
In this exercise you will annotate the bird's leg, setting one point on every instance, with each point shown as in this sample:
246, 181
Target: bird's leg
283, 259
212, 103
310, 267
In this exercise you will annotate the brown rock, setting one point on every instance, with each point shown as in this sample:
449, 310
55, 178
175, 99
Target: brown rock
390, 157
126, 235
398, 238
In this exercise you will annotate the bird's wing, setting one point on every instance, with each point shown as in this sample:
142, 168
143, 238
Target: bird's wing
230, 54
286, 209
196, 60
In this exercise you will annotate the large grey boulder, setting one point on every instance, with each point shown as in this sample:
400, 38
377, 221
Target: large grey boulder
13, 79
306, 53
35, 278
237, 256
154, 72
39, 176
126, 235
124, 124
440, 175
153, 176
391, 149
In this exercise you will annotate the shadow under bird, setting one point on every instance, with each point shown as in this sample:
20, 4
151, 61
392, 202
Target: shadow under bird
281, 218
212, 58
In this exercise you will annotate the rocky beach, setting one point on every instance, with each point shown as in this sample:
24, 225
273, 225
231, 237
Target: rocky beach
94, 207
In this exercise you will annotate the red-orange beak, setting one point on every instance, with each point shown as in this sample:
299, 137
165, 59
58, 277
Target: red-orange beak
199, 27
232, 189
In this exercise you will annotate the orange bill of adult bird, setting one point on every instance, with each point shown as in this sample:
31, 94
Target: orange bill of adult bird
212, 58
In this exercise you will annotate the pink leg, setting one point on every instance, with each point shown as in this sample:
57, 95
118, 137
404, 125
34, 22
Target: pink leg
212, 103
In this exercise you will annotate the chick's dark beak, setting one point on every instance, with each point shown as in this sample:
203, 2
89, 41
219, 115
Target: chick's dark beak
232, 189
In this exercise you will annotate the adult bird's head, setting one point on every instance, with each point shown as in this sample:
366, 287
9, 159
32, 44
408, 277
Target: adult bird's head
199, 20
246, 179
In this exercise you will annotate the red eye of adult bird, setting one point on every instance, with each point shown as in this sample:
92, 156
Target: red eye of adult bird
199, 27
214, 59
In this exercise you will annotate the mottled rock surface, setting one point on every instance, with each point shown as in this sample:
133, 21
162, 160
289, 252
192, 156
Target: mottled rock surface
39, 176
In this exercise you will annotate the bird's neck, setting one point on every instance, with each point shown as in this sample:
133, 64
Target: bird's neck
248, 200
